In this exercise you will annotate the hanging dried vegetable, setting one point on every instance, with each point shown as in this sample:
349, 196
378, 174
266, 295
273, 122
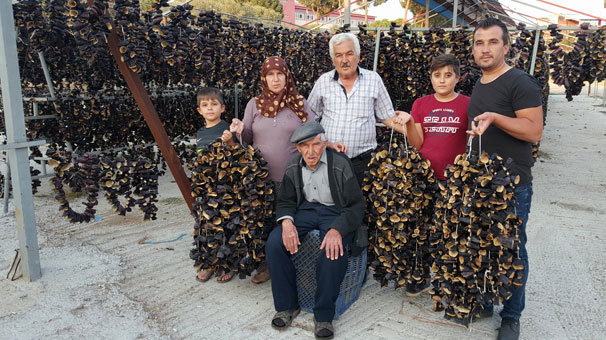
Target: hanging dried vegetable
399, 190
233, 209
476, 259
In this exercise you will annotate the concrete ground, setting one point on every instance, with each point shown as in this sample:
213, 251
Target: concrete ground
100, 282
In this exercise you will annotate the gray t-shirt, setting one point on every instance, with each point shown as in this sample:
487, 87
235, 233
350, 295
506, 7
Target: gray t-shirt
205, 135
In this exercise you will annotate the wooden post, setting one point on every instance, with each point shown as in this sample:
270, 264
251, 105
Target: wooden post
365, 13
406, 12
426, 13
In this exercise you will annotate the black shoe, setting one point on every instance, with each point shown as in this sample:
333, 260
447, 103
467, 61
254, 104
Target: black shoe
323, 330
417, 289
510, 329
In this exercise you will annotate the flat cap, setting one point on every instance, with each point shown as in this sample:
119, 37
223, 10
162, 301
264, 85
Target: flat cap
306, 131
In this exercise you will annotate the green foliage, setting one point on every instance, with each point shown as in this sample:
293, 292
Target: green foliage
378, 2
271, 4
241, 8
386, 23
321, 7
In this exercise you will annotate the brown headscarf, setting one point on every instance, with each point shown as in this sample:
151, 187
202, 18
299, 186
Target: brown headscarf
269, 103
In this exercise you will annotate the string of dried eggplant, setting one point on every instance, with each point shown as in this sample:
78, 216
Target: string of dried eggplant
476, 260
233, 209
399, 191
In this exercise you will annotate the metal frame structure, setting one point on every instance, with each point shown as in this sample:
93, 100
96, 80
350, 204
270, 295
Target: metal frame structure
538, 30
18, 145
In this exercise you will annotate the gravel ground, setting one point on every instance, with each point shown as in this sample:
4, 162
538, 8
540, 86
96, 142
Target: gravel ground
99, 282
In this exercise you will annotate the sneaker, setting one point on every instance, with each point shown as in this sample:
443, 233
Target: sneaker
510, 329
416, 289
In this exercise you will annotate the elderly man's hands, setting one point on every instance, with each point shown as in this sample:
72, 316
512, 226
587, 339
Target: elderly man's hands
290, 236
402, 118
333, 242
338, 147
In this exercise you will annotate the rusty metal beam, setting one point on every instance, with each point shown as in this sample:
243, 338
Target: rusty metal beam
153, 121
151, 118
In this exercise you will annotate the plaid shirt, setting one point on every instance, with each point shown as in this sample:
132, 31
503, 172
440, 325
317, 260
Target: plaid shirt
350, 118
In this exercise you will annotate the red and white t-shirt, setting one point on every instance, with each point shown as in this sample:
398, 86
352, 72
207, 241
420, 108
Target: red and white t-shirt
444, 129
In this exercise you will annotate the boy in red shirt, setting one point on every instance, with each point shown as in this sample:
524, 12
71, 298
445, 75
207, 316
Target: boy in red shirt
437, 123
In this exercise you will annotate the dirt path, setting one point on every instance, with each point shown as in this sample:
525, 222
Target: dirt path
100, 281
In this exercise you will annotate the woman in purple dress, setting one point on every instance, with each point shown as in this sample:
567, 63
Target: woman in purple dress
269, 121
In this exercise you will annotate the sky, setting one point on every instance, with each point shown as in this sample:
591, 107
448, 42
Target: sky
392, 9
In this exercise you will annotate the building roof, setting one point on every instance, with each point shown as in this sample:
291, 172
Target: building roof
469, 11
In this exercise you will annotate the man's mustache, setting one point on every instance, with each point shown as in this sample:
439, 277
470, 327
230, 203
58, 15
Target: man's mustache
345, 64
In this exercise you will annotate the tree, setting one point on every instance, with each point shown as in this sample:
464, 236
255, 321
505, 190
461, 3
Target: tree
321, 7
271, 4
237, 8
378, 2
386, 23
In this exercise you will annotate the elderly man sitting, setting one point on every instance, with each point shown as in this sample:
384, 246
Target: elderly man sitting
319, 191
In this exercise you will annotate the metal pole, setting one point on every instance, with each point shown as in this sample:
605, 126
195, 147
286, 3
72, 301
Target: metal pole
236, 100
18, 155
377, 41
51, 88
7, 186
535, 48
455, 11
347, 10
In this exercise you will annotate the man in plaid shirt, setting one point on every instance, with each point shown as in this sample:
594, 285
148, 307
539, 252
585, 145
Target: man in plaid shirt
349, 100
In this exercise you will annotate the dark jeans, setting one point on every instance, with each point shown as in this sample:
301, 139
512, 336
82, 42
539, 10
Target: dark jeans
329, 273
360, 164
513, 307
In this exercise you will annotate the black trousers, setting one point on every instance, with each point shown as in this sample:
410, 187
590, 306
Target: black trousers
360, 164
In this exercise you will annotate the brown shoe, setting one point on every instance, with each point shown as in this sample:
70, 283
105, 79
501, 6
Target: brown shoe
260, 277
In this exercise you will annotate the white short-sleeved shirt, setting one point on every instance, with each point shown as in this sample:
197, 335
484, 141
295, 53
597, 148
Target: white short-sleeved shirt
350, 117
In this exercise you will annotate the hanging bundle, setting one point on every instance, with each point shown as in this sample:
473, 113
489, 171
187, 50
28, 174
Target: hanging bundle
476, 260
233, 209
136, 180
398, 192
81, 175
